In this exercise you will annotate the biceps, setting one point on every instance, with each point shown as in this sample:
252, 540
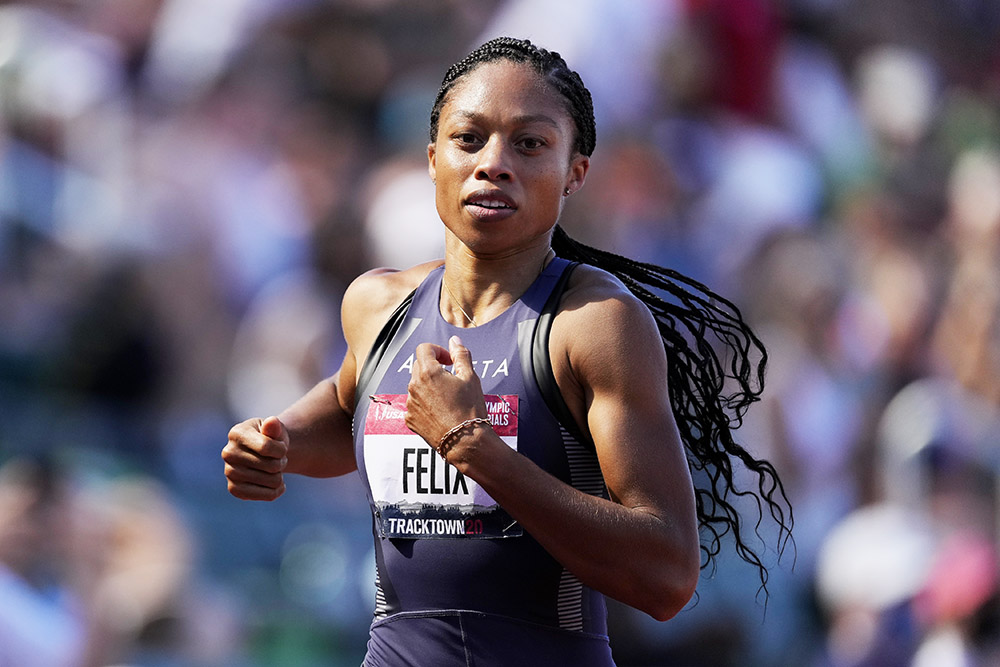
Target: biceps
640, 451
345, 381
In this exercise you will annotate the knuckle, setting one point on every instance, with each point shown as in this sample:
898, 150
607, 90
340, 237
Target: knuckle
238, 431
230, 453
272, 466
234, 474
273, 449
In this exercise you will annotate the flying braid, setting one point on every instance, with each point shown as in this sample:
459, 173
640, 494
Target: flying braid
694, 322
716, 362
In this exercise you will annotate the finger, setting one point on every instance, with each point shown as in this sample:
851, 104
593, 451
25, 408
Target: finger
461, 357
255, 492
274, 429
241, 475
247, 436
429, 356
241, 457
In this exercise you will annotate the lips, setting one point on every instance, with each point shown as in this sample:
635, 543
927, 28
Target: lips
490, 204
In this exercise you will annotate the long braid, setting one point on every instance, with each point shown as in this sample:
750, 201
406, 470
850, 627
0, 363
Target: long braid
695, 325
692, 321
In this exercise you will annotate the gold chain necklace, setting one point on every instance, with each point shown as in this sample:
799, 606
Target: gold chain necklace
458, 303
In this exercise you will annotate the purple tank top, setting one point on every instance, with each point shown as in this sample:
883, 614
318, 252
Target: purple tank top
441, 543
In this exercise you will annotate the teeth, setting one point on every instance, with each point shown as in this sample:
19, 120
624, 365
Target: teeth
491, 204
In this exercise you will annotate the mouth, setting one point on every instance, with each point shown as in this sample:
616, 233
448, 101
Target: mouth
490, 204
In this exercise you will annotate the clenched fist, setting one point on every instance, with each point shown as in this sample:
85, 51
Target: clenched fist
255, 459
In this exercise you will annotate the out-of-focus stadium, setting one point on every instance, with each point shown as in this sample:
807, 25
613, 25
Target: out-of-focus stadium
186, 189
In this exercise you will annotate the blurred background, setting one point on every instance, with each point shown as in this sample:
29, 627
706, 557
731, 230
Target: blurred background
187, 187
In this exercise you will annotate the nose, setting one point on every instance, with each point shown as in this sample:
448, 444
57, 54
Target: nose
493, 161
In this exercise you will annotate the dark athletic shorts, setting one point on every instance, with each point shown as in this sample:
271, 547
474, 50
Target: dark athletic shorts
475, 639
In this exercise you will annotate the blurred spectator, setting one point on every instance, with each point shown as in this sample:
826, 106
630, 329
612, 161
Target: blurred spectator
871, 566
43, 620
179, 183
97, 572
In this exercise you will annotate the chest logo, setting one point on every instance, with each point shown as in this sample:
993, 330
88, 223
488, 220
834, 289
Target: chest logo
484, 368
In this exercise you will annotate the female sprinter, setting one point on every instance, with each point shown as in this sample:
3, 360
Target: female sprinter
526, 414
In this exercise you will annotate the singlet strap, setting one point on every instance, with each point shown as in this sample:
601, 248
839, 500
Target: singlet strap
541, 362
382, 343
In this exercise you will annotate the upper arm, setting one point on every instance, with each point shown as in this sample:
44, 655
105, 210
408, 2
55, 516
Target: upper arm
319, 423
615, 380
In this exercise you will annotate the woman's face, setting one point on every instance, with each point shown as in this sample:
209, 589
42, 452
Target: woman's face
503, 157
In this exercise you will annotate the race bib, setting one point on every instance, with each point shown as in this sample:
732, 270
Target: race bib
417, 494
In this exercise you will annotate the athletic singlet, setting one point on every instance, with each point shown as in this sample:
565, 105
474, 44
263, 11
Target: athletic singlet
458, 582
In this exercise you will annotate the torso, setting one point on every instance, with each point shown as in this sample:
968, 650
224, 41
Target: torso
441, 544
383, 289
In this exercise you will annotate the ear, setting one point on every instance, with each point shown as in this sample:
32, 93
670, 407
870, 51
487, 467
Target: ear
432, 161
577, 174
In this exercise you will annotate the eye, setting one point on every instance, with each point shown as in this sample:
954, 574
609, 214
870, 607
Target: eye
531, 143
466, 139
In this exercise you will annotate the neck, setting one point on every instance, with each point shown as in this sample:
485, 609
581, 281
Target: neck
484, 287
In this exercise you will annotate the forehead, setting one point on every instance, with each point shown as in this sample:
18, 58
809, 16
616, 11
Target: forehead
505, 87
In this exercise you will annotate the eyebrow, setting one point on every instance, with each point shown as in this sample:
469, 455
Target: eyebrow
525, 119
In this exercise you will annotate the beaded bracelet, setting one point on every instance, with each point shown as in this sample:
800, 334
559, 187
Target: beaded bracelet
448, 439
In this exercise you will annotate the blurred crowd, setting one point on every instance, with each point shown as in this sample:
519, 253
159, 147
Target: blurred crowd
186, 188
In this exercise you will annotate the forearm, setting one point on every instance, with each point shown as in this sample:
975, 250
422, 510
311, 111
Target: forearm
319, 433
636, 555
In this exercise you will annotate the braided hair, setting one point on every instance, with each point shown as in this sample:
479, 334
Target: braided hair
717, 362
548, 64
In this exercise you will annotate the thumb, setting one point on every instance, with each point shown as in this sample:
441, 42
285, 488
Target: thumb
461, 358
273, 428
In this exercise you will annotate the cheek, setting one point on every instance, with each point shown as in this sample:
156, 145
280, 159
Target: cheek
443, 203
451, 168
447, 186
556, 207
549, 190
448, 192
546, 206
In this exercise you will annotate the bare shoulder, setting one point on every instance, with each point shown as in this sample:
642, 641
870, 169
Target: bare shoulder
382, 288
601, 325
598, 297
372, 297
